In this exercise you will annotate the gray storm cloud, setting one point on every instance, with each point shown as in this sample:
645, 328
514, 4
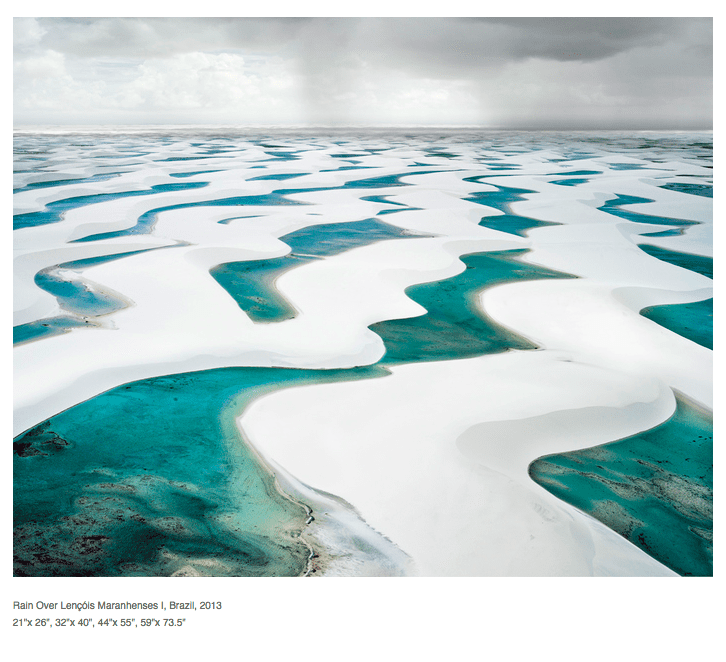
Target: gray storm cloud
549, 72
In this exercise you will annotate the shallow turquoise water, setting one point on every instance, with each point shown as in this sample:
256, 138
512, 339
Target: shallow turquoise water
454, 326
77, 296
45, 328
654, 488
251, 284
145, 223
65, 182
103, 259
153, 476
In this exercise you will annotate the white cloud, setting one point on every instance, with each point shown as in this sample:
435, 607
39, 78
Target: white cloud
27, 33
39, 67
193, 80
572, 73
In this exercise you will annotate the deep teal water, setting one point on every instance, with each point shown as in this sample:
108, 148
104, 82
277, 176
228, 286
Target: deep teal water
701, 264
385, 212
350, 167
627, 166
278, 177
690, 320
513, 224
570, 182
382, 199
334, 238
694, 189
282, 156
501, 199
613, 206
665, 233
385, 181
191, 174
576, 173
499, 166
654, 488
182, 158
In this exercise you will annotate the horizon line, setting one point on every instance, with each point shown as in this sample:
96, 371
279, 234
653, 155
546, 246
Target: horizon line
141, 126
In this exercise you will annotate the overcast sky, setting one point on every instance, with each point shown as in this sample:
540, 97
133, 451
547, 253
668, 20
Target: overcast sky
556, 73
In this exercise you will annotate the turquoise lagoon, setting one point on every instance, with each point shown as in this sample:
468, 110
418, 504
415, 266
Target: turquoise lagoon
654, 488
159, 463
154, 477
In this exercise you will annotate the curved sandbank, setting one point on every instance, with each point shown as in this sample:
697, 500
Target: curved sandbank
337, 298
404, 469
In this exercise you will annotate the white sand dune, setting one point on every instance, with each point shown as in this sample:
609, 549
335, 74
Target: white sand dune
435, 455
186, 320
412, 452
